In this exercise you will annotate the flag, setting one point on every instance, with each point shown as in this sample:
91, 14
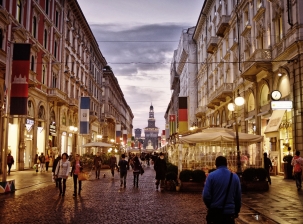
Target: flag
118, 133
84, 115
167, 132
172, 124
124, 136
183, 120
19, 81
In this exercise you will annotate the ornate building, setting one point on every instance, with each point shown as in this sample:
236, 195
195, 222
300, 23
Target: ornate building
151, 132
65, 64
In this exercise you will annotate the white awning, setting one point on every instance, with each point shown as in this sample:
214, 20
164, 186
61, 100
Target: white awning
274, 121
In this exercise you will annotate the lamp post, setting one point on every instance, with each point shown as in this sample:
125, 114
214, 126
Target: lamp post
239, 101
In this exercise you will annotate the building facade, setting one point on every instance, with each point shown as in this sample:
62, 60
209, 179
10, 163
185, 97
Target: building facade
251, 49
65, 64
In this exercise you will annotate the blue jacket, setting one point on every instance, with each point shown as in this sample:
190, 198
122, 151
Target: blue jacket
215, 189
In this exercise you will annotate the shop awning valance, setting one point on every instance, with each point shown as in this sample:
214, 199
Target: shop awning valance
274, 121
220, 135
97, 144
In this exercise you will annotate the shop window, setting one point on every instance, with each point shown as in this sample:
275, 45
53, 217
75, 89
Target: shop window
45, 39
251, 103
33, 63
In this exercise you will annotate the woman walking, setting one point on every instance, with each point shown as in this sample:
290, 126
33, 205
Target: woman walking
136, 170
77, 167
46, 161
62, 171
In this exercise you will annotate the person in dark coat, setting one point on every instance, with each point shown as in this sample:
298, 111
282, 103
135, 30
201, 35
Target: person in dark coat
54, 168
136, 170
160, 168
267, 166
97, 165
113, 164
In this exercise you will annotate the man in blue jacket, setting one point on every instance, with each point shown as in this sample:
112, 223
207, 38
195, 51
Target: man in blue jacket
214, 194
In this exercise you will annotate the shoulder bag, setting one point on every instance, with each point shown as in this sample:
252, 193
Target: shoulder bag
56, 175
214, 215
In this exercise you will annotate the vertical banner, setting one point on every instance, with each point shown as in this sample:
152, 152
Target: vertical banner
183, 120
118, 133
84, 115
172, 124
124, 136
133, 142
19, 81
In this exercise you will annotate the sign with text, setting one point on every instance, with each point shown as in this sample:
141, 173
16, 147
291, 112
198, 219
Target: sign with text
281, 105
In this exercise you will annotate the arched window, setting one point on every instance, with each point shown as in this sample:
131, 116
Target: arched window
34, 28
251, 103
33, 63
46, 6
264, 95
45, 39
19, 11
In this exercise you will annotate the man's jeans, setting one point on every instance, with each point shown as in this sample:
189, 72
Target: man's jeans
123, 176
298, 179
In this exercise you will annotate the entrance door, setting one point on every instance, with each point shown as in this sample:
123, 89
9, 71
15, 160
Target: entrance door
27, 154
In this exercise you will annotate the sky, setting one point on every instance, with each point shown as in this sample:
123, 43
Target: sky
137, 39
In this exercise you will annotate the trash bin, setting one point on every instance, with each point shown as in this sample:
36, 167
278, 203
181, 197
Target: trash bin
287, 171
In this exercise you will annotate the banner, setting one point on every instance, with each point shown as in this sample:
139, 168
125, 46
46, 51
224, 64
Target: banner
124, 136
167, 132
183, 118
19, 81
172, 124
118, 133
84, 115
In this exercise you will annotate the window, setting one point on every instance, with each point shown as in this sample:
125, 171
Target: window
34, 28
1, 38
55, 49
43, 74
33, 63
57, 18
46, 6
54, 81
66, 60
45, 39
19, 11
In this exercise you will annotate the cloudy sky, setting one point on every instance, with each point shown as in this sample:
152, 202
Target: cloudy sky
137, 38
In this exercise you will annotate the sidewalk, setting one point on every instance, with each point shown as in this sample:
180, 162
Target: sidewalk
281, 204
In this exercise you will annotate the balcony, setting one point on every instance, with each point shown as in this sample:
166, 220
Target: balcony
220, 94
57, 95
73, 103
223, 25
260, 60
32, 81
93, 115
201, 111
212, 45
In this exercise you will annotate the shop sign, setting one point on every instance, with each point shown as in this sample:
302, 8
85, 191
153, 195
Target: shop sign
52, 129
70, 135
29, 124
64, 133
281, 105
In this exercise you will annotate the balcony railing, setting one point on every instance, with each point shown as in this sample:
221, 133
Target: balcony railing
220, 94
212, 45
201, 111
223, 25
57, 94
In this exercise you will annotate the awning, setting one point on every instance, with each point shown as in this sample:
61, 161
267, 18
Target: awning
96, 144
264, 113
274, 121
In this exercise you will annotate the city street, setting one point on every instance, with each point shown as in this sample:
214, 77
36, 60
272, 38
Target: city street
36, 200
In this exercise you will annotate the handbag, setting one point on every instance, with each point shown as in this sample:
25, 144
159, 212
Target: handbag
56, 175
83, 176
214, 215
141, 170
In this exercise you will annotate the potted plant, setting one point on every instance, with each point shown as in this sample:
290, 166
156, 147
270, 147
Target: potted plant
192, 180
254, 179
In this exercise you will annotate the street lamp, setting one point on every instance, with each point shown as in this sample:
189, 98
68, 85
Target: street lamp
239, 101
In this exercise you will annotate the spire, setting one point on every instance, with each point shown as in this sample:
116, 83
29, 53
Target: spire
151, 108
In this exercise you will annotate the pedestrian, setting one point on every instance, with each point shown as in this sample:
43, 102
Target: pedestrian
77, 167
222, 194
42, 162
54, 168
113, 164
123, 167
297, 163
267, 166
136, 170
62, 171
46, 162
10, 161
147, 157
160, 168
97, 164
36, 162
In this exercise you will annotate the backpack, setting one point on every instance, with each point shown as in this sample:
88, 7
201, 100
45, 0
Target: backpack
10, 160
42, 159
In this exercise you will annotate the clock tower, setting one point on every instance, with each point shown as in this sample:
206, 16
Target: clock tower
151, 132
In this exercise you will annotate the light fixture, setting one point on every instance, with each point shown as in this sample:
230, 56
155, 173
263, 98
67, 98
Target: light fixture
279, 74
231, 107
112, 140
99, 136
239, 101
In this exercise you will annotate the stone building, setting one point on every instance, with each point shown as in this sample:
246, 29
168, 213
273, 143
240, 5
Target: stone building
252, 48
65, 64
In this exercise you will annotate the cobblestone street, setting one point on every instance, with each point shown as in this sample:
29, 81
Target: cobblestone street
103, 201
